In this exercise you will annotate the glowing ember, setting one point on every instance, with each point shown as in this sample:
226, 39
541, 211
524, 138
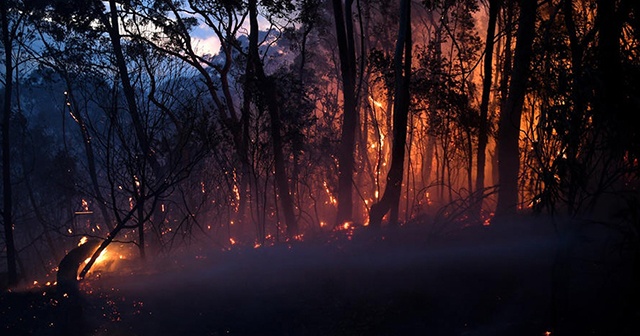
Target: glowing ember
82, 240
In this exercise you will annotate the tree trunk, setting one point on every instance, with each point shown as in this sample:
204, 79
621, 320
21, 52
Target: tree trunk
7, 214
346, 49
269, 94
483, 132
113, 27
391, 198
509, 124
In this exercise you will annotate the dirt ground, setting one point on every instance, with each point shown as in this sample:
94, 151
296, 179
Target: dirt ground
390, 282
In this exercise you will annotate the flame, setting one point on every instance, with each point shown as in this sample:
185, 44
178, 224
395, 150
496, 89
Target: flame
375, 102
82, 240
101, 258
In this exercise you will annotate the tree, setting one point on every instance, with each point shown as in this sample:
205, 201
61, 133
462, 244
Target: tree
9, 28
509, 123
402, 67
346, 49
255, 75
483, 130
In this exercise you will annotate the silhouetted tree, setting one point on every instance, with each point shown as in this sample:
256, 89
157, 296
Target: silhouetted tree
343, 15
510, 117
402, 67
9, 16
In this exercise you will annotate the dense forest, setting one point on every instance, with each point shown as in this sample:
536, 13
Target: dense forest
159, 128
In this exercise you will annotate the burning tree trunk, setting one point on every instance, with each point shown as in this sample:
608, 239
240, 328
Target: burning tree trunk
509, 131
346, 49
7, 214
391, 198
67, 276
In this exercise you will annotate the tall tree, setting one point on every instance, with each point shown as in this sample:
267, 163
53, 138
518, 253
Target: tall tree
402, 67
483, 131
346, 49
269, 94
8, 34
509, 123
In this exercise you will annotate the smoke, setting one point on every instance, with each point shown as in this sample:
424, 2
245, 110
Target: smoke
387, 282
510, 280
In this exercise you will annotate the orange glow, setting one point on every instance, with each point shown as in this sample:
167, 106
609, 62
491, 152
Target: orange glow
101, 258
85, 205
375, 102
82, 241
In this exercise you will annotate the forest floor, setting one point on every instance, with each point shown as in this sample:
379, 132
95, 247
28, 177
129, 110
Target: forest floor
390, 282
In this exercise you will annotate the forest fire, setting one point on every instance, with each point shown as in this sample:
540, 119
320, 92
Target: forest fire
337, 167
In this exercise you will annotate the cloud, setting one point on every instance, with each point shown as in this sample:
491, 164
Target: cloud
206, 45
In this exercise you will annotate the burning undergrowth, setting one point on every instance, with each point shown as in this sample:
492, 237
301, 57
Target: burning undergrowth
386, 282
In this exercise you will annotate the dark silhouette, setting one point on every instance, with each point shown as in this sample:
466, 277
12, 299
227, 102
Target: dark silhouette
70, 313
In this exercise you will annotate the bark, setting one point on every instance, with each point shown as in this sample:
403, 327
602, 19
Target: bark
346, 50
7, 214
509, 123
391, 198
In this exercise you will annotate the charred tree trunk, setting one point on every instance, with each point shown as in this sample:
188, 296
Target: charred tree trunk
7, 214
509, 124
346, 49
71, 320
391, 198
483, 132
270, 95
